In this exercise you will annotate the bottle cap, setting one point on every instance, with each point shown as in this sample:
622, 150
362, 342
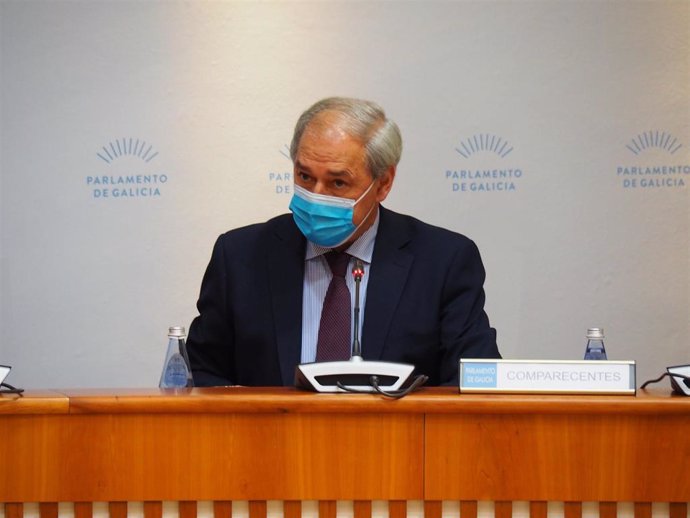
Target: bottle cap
176, 331
595, 333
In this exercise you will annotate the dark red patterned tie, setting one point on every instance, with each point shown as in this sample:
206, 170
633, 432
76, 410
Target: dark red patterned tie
336, 320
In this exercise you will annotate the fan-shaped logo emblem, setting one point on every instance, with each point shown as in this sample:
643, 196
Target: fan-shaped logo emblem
123, 147
484, 168
281, 179
129, 170
654, 139
285, 152
484, 142
659, 162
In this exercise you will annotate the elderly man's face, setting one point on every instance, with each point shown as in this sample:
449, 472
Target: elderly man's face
331, 162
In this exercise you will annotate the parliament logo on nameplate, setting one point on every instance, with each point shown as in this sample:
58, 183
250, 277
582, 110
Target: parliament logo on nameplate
547, 376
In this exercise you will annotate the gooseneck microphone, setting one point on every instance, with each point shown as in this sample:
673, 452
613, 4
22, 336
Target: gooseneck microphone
392, 380
357, 273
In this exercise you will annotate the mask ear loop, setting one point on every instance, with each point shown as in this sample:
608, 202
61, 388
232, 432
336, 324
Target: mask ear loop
356, 228
363, 219
365, 192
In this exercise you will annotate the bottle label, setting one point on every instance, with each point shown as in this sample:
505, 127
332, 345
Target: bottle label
175, 372
595, 350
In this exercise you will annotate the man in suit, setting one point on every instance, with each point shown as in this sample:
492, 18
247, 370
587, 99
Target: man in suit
262, 301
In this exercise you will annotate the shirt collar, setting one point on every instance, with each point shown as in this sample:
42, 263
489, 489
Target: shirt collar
362, 248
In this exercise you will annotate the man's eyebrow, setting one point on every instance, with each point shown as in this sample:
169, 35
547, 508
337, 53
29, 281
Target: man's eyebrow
300, 165
343, 172
335, 172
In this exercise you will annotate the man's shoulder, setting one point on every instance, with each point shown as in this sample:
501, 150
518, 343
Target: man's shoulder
260, 240
278, 224
431, 246
412, 228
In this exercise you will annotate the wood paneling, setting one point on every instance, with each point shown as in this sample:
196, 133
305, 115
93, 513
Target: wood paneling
558, 457
608, 509
187, 509
85, 510
281, 444
117, 509
503, 509
572, 510
538, 509
154, 510
257, 509
643, 509
361, 509
433, 509
292, 509
397, 509
327, 509
223, 509
678, 510
48, 510
14, 510
139, 457
468, 509
34, 402
430, 400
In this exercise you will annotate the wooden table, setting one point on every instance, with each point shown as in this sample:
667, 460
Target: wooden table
260, 444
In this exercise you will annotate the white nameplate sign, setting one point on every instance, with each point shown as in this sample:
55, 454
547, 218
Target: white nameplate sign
547, 376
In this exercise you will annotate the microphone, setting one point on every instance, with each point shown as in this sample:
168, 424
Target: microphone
357, 273
357, 375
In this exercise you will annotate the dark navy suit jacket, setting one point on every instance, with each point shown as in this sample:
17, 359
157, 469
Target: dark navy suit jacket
424, 303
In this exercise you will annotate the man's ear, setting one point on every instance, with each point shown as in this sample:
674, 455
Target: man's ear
385, 184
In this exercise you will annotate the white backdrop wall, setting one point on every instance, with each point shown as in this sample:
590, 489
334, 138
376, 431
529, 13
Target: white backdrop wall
578, 112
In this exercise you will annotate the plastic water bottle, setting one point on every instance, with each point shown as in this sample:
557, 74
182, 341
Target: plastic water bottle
595, 344
176, 370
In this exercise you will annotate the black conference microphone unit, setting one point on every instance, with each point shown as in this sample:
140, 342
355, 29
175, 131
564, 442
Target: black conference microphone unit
6, 388
680, 379
357, 374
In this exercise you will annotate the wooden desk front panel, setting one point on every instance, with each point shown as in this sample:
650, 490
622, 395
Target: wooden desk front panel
140, 457
560, 457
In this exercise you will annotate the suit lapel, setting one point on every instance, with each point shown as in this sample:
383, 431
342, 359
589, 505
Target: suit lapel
390, 266
286, 276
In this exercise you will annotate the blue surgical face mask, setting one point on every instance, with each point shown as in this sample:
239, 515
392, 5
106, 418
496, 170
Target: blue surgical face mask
325, 220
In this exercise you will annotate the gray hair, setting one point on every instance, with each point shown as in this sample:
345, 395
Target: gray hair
363, 120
